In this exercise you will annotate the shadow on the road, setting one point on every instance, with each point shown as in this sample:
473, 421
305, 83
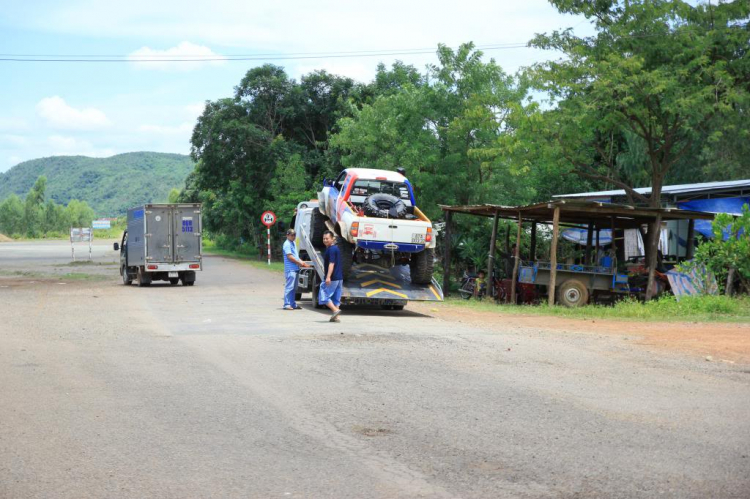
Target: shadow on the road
364, 311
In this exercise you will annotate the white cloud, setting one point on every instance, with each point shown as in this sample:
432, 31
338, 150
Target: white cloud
59, 114
14, 140
14, 160
193, 111
162, 60
13, 125
183, 128
71, 146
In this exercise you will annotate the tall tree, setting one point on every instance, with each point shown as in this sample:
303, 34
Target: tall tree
662, 72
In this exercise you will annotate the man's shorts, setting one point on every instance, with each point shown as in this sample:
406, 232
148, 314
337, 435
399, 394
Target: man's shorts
331, 292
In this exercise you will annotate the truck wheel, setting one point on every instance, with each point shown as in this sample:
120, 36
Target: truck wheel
573, 293
297, 296
345, 248
174, 280
317, 227
422, 264
126, 279
143, 279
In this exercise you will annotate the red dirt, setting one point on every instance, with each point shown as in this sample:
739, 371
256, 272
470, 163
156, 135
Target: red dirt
728, 342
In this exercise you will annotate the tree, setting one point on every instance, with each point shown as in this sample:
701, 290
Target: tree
658, 74
34, 207
12, 216
174, 196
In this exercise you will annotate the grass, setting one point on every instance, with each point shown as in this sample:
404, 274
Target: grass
209, 247
70, 276
665, 309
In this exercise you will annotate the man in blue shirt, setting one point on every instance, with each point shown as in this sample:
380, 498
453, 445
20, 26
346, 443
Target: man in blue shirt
292, 263
330, 290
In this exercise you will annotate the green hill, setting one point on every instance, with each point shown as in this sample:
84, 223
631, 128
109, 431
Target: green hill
109, 185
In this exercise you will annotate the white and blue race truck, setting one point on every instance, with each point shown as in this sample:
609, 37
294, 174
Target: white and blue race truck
375, 274
376, 220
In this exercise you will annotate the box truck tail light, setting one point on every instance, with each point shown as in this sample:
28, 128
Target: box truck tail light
195, 266
428, 237
354, 231
153, 267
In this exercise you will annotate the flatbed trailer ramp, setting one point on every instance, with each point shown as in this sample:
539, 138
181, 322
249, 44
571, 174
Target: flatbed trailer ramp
370, 284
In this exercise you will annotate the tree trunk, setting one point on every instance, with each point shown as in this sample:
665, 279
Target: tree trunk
730, 282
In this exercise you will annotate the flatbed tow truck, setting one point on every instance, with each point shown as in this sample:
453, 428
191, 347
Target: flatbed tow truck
368, 284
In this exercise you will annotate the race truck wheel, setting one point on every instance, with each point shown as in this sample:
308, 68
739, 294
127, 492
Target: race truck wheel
317, 227
384, 206
347, 255
422, 264
573, 293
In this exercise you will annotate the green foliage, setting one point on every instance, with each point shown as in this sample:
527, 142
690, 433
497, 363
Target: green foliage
174, 196
658, 77
109, 185
665, 309
728, 249
34, 218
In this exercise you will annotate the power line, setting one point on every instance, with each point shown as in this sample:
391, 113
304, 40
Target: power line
233, 57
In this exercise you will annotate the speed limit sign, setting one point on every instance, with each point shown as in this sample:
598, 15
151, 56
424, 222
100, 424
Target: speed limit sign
268, 218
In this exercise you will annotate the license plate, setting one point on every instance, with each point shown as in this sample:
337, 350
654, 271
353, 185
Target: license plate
417, 238
174, 274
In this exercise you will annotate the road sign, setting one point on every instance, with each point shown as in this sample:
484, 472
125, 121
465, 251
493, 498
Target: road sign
268, 218
102, 224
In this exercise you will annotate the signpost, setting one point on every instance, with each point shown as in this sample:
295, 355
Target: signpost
80, 235
268, 218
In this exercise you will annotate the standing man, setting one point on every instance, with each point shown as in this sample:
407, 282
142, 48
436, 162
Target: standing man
330, 290
292, 263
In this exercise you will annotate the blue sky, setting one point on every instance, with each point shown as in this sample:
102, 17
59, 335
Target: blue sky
101, 109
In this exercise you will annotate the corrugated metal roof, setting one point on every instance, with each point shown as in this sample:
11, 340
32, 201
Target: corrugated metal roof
667, 189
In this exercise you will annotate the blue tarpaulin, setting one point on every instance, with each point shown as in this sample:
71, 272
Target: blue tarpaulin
579, 236
733, 206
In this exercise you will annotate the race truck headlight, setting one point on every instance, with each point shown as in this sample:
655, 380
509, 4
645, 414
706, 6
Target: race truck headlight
354, 231
428, 237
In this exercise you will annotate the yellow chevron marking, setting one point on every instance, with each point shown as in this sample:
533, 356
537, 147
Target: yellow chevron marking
434, 292
369, 266
383, 290
381, 282
368, 273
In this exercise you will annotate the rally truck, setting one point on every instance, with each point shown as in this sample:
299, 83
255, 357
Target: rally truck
368, 284
162, 243
376, 220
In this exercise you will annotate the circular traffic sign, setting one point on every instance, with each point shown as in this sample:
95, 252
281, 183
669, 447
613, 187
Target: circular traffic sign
268, 218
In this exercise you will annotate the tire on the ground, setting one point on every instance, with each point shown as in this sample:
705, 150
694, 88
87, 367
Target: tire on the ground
297, 296
572, 293
127, 280
422, 265
317, 227
174, 280
142, 278
347, 256
384, 206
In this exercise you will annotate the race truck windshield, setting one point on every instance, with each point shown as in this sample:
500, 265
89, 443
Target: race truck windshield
364, 188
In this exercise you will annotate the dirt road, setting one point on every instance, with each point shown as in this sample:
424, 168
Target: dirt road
214, 391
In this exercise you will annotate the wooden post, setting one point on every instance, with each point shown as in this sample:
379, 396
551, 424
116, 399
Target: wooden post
491, 258
553, 256
517, 257
589, 237
614, 241
651, 254
532, 249
447, 255
596, 248
690, 244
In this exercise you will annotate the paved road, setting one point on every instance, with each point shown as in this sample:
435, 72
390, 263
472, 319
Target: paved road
213, 391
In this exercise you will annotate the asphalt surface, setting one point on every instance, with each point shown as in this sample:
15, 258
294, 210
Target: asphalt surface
214, 391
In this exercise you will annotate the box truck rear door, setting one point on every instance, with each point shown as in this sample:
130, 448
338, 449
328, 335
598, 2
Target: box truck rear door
159, 234
187, 233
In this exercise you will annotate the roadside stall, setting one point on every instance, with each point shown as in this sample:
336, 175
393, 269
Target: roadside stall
599, 224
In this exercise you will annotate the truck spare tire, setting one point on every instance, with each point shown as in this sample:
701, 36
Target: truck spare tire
384, 206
